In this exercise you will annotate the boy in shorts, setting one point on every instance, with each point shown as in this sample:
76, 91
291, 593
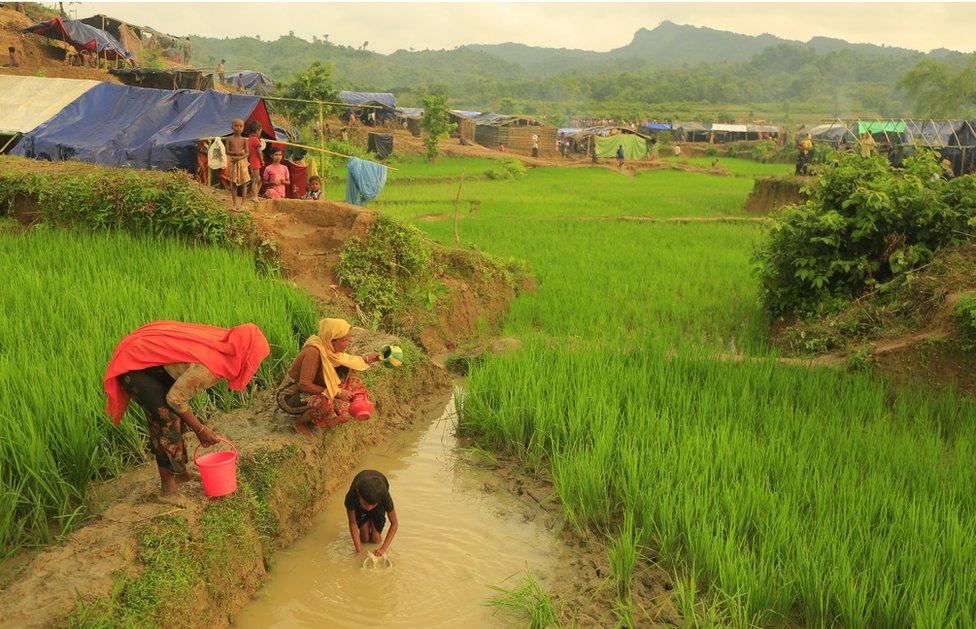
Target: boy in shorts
368, 502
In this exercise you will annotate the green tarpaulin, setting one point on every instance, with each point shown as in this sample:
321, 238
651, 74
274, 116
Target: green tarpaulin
880, 127
635, 147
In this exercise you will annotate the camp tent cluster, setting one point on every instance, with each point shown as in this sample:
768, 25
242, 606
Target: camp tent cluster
606, 141
954, 140
364, 104
722, 132
501, 130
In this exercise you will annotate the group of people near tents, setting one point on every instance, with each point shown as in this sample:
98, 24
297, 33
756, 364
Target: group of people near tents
164, 364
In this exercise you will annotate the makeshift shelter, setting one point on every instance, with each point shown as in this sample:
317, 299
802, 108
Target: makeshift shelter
690, 131
513, 132
119, 125
654, 127
832, 133
381, 144
82, 37
410, 117
169, 79
363, 104
604, 141
128, 35
251, 82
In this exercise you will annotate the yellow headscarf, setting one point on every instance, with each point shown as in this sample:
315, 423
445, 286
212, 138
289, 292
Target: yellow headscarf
330, 330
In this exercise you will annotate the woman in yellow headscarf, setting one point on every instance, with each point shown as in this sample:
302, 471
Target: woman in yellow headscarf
322, 379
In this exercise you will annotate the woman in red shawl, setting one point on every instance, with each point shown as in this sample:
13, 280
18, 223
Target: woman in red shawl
162, 365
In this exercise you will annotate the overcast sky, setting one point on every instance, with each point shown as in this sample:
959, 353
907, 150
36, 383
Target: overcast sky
388, 27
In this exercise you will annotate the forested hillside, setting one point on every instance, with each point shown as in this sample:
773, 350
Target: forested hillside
658, 69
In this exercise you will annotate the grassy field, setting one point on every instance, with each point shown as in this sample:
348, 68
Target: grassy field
778, 494
71, 297
737, 166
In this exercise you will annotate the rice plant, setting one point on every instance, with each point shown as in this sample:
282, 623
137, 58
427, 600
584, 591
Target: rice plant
67, 299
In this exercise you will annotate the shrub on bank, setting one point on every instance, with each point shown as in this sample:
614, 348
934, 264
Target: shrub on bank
864, 224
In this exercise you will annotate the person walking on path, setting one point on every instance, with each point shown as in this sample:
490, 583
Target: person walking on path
162, 365
620, 156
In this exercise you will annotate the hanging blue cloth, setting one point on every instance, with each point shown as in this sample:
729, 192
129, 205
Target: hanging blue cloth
365, 181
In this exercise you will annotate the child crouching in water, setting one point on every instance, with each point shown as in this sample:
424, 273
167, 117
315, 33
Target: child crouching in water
368, 502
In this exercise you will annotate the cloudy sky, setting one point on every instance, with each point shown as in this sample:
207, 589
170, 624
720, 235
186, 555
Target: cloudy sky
590, 26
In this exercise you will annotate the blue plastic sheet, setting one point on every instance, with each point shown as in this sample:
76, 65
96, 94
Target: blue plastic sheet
365, 181
121, 125
81, 35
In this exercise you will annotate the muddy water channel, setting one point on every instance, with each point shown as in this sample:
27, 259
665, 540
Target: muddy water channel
455, 541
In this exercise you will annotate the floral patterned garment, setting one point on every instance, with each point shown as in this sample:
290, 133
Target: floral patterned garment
318, 408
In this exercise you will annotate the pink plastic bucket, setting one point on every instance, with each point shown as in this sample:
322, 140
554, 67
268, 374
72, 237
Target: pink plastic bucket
218, 471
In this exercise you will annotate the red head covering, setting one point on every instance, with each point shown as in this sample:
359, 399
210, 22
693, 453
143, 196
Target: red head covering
230, 354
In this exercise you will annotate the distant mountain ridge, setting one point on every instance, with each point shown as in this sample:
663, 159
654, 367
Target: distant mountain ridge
670, 44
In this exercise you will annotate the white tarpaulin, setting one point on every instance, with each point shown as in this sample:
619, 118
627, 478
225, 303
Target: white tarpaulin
734, 128
28, 101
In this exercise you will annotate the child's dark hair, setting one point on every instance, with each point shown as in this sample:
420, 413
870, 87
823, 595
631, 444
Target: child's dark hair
371, 489
255, 126
11, 49
314, 178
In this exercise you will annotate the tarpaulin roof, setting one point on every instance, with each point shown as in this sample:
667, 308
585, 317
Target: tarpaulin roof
465, 114
833, 132
605, 132
657, 126
120, 125
255, 82
634, 146
27, 101
568, 130
81, 36
940, 133
690, 126
111, 25
762, 128
730, 128
410, 112
881, 126
368, 98
502, 120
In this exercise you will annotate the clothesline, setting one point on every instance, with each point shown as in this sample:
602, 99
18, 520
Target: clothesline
302, 146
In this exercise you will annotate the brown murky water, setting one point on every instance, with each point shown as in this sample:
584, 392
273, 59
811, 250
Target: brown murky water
455, 541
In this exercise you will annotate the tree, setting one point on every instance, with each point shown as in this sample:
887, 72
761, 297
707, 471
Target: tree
936, 92
315, 83
435, 123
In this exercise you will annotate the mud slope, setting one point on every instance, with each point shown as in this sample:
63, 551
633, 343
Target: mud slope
772, 193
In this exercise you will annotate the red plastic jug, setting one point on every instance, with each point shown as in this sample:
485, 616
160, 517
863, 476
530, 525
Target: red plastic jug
360, 407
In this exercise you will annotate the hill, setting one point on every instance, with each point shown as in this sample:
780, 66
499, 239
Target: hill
671, 65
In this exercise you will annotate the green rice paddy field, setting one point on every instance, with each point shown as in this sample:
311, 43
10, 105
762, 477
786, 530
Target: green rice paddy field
777, 494
74, 296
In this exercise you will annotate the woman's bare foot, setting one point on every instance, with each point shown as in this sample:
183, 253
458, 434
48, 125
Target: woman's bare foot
187, 477
303, 428
176, 499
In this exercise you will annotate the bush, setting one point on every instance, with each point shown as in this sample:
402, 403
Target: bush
509, 169
864, 224
388, 270
964, 315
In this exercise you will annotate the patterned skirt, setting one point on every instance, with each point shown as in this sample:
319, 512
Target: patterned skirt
317, 408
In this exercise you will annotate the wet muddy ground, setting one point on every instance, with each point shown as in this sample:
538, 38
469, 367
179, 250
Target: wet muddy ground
457, 538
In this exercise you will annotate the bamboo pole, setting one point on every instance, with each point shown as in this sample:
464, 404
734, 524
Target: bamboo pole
321, 137
303, 146
457, 216
8, 143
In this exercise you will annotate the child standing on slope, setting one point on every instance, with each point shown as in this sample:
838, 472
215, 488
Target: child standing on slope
237, 176
367, 503
276, 177
254, 157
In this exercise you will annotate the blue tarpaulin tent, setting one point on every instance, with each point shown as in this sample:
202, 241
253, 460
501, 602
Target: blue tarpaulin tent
121, 125
656, 126
254, 82
81, 36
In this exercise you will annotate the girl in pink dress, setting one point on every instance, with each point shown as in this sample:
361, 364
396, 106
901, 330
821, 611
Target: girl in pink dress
276, 177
